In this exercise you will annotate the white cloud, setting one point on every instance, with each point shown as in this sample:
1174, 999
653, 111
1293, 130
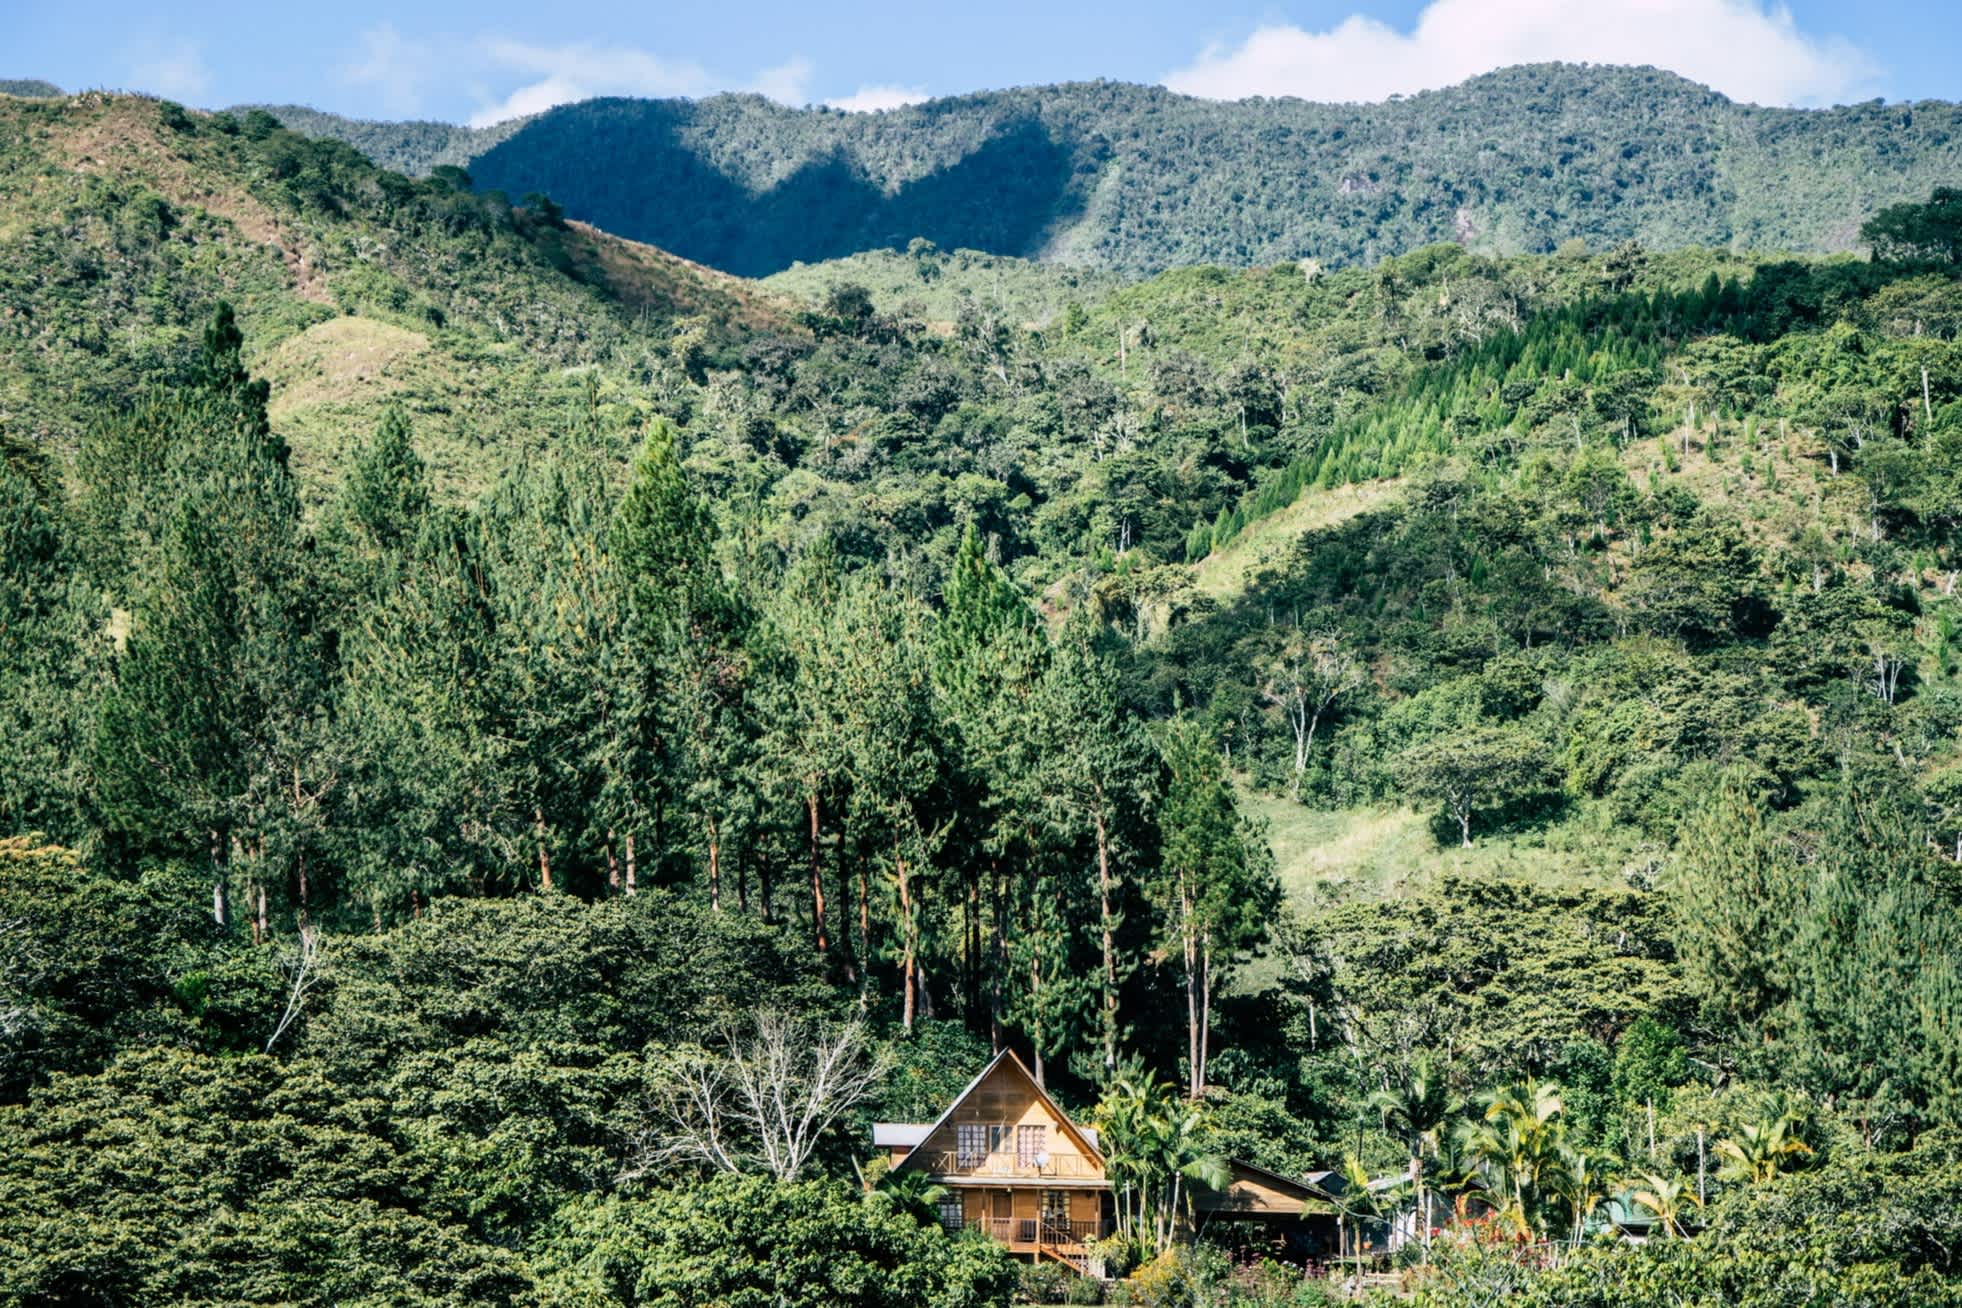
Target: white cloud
173, 68
395, 67
564, 73
561, 74
877, 99
788, 83
1742, 48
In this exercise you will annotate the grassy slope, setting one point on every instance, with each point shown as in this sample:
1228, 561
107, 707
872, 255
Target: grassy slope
1031, 293
1224, 574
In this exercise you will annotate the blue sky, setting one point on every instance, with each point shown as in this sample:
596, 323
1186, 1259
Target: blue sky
484, 59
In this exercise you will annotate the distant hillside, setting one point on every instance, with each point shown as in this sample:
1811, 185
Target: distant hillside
124, 220
1138, 179
30, 87
413, 147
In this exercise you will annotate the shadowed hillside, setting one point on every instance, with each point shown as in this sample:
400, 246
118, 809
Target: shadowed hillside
1138, 179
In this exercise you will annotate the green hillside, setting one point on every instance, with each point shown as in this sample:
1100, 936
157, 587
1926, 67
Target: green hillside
123, 221
1136, 179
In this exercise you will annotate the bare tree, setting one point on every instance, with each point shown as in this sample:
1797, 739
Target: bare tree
304, 969
762, 1102
1303, 678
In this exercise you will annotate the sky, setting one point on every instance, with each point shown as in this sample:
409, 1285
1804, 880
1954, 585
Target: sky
483, 60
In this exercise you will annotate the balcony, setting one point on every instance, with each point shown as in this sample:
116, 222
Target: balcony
1008, 1166
1046, 1232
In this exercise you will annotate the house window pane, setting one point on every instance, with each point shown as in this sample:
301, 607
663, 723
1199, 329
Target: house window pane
970, 1145
1030, 1141
950, 1212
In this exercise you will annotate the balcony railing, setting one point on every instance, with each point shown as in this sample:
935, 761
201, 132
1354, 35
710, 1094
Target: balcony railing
1008, 1165
1052, 1231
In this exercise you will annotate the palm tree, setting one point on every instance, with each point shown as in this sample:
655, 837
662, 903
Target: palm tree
1155, 1150
1357, 1202
1416, 1106
1515, 1147
1668, 1198
1580, 1178
909, 1191
1761, 1149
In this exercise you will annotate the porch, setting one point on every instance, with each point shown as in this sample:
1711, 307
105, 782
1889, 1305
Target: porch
1037, 1225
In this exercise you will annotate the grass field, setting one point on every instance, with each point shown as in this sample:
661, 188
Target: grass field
1330, 857
1224, 574
1326, 856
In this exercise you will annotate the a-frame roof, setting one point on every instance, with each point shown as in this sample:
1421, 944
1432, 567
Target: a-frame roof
1075, 1133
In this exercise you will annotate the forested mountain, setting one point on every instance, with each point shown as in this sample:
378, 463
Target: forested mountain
428, 813
1137, 179
416, 148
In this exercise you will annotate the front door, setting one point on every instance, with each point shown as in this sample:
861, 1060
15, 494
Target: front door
1055, 1214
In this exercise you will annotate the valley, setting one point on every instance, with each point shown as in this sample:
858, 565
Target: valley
1420, 702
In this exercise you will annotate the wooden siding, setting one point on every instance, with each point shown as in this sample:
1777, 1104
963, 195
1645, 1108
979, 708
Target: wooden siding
1006, 1100
1253, 1193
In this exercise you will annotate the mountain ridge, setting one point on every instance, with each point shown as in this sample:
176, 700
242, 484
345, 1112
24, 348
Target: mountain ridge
1137, 179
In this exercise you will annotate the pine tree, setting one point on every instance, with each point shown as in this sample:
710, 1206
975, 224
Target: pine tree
1215, 888
200, 747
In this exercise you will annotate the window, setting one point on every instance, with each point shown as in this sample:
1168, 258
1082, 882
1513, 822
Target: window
1030, 1141
970, 1144
951, 1216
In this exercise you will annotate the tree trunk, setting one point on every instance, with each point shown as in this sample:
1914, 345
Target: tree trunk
864, 920
220, 905
999, 968
1465, 828
633, 883
1035, 991
1109, 943
1205, 1012
1194, 1084
910, 1003
544, 862
847, 951
817, 878
715, 868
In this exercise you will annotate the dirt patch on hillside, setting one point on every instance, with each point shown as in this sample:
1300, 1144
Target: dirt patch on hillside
122, 138
646, 277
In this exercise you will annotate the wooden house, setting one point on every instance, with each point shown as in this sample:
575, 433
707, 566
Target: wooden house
1013, 1164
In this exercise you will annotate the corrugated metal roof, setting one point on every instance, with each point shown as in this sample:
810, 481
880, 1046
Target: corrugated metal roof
900, 1135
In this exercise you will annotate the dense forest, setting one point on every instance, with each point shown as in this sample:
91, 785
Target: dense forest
1136, 179
468, 683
